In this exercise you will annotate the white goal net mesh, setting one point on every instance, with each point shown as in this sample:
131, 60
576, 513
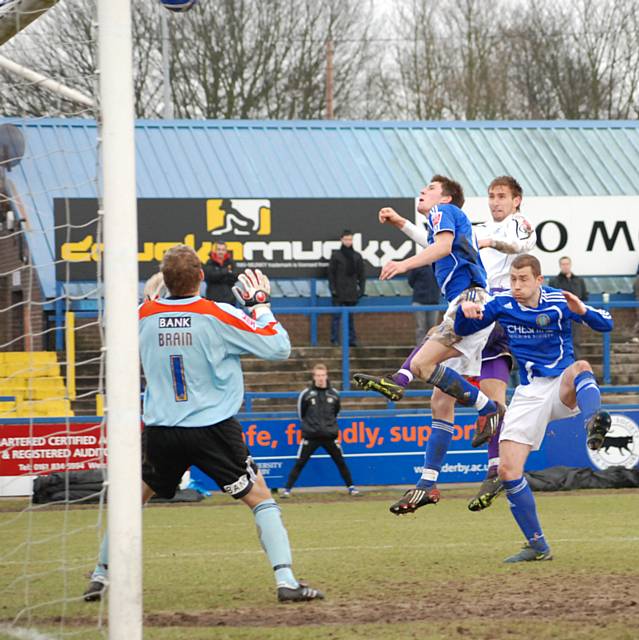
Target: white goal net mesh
51, 356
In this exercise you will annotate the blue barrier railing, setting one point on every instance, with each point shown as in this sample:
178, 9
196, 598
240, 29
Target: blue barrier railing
314, 310
344, 312
251, 396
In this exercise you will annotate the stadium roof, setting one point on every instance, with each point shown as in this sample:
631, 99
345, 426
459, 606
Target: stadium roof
279, 159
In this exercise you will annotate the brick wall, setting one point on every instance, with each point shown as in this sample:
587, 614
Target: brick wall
87, 335
16, 288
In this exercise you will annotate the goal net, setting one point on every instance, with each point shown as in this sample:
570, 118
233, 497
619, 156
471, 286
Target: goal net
55, 318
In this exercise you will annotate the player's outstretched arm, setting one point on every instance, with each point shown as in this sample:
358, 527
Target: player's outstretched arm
472, 317
597, 319
442, 247
415, 233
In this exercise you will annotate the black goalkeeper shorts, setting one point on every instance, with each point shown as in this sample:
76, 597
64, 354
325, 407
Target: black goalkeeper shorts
218, 450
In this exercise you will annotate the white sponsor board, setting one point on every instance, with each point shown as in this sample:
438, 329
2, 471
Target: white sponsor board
600, 234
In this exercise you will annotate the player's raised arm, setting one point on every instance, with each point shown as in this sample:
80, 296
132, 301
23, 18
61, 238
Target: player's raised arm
597, 319
417, 234
260, 334
441, 247
472, 316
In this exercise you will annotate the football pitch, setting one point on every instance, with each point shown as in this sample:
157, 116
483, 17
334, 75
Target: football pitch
436, 574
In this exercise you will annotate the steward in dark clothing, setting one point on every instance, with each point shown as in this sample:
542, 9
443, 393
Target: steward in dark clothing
571, 283
568, 281
347, 283
424, 284
220, 275
317, 407
425, 291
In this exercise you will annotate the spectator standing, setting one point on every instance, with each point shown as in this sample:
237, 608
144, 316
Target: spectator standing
317, 408
220, 274
347, 284
568, 281
425, 291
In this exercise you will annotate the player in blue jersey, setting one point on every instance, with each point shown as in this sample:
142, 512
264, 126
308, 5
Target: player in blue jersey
452, 249
537, 320
500, 240
190, 350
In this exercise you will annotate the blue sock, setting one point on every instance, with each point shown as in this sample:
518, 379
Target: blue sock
274, 541
588, 395
522, 506
101, 569
436, 448
451, 383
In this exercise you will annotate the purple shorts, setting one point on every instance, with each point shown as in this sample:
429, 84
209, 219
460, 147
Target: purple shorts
496, 358
496, 369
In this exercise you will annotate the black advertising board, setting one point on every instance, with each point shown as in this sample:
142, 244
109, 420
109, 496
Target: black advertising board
286, 237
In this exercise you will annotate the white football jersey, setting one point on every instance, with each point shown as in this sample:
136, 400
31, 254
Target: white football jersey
514, 230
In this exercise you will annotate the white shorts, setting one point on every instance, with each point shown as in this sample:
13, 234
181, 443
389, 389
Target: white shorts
532, 407
470, 347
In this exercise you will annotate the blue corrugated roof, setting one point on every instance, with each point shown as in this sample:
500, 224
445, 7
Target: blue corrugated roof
280, 159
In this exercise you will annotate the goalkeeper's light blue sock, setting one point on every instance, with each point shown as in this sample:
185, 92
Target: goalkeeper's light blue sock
524, 510
102, 568
274, 539
451, 383
440, 436
588, 394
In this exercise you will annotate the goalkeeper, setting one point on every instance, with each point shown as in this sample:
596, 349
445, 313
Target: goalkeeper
190, 350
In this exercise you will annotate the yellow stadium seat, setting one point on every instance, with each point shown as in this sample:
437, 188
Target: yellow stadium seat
8, 409
29, 370
28, 357
50, 408
34, 380
52, 382
45, 394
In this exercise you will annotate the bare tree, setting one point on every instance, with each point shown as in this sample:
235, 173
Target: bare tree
62, 45
485, 59
266, 58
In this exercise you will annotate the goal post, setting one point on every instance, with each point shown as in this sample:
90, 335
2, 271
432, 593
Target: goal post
122, 410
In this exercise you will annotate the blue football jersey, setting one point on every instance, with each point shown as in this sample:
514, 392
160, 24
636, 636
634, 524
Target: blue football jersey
462, 268
190, 350
541, 337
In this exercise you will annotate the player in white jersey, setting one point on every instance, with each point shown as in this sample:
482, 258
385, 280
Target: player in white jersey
500, 240
190, 350
553, 386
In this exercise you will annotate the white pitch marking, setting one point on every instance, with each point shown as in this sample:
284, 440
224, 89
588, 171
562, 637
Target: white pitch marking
24, 634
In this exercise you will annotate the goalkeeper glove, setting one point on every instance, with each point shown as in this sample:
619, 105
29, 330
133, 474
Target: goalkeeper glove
253, 290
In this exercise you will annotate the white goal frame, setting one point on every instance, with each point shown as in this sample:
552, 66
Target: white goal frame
122, 410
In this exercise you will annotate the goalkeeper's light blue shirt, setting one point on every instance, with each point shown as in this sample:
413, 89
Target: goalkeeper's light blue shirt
540, 337
190, 350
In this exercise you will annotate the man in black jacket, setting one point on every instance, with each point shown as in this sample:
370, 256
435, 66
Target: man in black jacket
347, 283
219, 275
568, 281
425, 291
317, 407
